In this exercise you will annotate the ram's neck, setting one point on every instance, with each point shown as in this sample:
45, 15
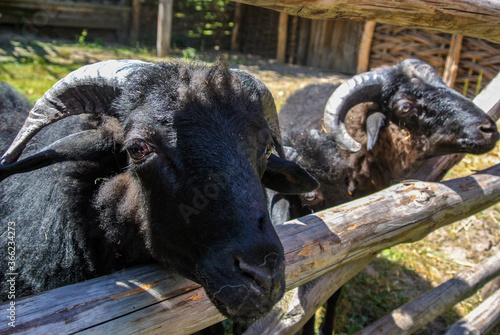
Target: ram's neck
394, 157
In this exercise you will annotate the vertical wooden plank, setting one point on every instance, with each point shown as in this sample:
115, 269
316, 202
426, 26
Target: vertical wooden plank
321, 42
330, 37
282, 34
314, 49
292, 47
238, 15
164, 27
136, 21
123, 30
335, 32
313, 36
304, 38
365, 46
451, 67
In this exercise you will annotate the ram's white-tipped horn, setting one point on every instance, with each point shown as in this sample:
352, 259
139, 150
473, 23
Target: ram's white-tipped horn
90, 89
363, 87
415, 68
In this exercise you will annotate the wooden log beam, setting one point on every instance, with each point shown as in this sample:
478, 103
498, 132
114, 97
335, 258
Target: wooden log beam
414, 315
480, 18
63, 6
150, 300
481, 320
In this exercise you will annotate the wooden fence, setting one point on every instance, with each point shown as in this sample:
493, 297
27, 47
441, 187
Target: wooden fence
479, 18
467, 64
353, 46
34, 15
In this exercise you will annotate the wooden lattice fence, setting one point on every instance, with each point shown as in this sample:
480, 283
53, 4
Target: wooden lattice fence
479, 60
391, 44
337, 44
479, 64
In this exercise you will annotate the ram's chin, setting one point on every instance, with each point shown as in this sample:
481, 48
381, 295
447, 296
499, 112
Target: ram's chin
245, 312
475, 147
244, 301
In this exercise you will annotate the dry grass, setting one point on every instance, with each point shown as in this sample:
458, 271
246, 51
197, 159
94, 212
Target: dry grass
398, 274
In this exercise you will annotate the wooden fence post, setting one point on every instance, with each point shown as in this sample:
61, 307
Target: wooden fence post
164, 27
303, 44
365, 46
451, 66
238, 15
136, 21
282, 35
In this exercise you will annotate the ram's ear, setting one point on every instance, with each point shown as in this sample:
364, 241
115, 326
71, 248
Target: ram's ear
375, 121
287, 177
89, 145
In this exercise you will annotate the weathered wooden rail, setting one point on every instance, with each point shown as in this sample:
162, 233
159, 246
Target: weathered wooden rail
149, 299
481, 320
480, 18
412, 316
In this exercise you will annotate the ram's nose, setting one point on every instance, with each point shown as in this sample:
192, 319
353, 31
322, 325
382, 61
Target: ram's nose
489, 130
267, 275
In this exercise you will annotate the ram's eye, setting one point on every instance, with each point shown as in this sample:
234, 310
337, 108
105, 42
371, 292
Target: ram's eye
267, 150
138, 149
404, 108
309, 197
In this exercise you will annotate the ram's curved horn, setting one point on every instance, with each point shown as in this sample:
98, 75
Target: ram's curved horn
363, 87
90, 89
415, 68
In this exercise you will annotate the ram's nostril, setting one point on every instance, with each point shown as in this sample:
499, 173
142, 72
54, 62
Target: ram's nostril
488, 128
259, 274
